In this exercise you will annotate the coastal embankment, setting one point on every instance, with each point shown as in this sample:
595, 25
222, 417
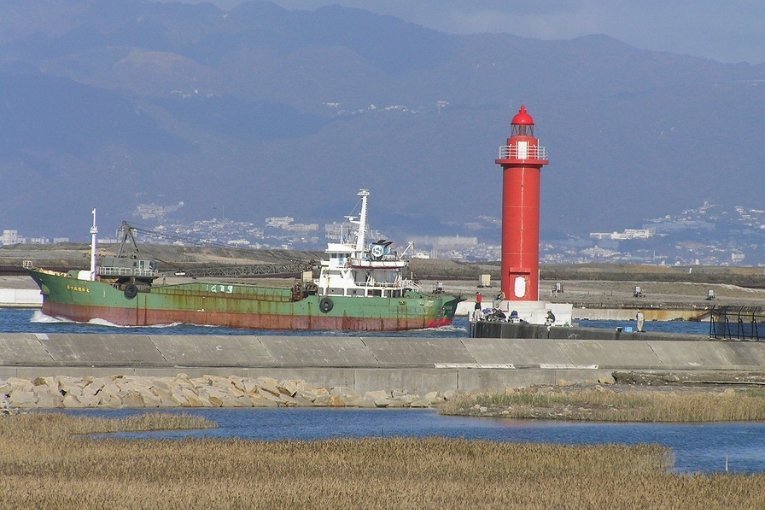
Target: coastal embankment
356, 370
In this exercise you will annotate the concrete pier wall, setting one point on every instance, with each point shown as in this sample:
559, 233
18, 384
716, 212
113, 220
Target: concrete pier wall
20, 298
414, 365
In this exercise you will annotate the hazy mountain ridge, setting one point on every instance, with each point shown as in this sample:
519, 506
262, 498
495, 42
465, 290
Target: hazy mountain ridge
269, 111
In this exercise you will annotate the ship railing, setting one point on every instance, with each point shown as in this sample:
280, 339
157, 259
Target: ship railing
513, 151
127, 271
381, 285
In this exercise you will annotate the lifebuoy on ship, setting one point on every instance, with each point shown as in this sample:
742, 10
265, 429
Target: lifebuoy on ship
378, 251
130, 291
325, 305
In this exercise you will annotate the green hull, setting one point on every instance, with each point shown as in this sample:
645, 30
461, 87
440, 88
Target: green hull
237, 306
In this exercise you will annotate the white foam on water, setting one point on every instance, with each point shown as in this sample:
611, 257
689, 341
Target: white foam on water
40, 317
103, 322
450, 327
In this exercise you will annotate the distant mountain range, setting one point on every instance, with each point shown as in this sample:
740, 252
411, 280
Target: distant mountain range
260, 111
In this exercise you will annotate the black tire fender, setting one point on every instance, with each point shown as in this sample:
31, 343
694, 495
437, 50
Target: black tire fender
325, 305
130, 291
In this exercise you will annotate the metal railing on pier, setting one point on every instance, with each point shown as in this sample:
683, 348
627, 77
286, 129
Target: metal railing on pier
737, 323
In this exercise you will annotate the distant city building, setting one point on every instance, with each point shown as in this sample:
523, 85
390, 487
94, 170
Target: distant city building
59, 240
302, 227
628, 233
279, 221
446, 242
599, 253
287, 223
10, 237
155, 211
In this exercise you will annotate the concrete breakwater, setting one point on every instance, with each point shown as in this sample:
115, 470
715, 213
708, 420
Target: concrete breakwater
362, 371
183, 391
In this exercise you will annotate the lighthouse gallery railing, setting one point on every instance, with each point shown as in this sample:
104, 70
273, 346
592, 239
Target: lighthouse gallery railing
522, 152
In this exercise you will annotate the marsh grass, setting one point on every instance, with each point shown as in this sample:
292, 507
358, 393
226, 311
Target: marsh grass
54, 425
46, 462
617, 404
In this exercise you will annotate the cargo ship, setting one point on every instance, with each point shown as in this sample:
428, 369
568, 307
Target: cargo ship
361, 286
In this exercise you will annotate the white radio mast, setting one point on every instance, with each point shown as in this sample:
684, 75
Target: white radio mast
93, 232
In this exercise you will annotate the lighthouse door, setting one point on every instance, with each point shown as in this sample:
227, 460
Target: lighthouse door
520, 286
523, 149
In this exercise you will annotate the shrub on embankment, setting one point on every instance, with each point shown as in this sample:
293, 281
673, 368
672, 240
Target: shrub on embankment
45, 464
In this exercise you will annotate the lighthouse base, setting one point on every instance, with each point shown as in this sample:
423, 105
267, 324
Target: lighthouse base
531, 312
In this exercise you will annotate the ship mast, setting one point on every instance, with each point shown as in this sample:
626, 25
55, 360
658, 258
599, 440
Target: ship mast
362, 222
93, 233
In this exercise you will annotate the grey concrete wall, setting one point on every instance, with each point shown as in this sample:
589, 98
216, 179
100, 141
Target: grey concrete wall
414, 365
489, 329
20, 298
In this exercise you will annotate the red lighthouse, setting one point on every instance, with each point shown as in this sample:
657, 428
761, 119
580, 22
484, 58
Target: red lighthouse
522, 160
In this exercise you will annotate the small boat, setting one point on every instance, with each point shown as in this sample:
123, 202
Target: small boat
361, 287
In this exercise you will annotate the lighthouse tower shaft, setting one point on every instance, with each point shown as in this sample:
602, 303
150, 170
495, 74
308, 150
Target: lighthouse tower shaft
521, 159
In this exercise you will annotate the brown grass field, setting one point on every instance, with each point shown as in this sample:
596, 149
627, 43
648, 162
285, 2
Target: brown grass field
617, 404
46, 463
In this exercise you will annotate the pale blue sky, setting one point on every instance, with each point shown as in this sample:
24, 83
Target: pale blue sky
728, 31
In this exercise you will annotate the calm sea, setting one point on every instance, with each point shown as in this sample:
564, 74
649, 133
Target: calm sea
712, 447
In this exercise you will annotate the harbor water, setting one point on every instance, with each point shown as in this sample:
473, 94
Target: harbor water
703, 448
17, 320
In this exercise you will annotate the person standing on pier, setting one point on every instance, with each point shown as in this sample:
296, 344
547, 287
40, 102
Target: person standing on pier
498, 299
640, 318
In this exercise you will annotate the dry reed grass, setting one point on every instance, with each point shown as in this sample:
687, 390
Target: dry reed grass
44, 464
617, 404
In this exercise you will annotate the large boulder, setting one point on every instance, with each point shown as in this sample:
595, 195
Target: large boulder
133, 399
288, 387
18, 384
268, 384
22, 398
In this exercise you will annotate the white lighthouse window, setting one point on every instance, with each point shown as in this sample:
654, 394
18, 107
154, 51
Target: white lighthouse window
523, 149
520, 286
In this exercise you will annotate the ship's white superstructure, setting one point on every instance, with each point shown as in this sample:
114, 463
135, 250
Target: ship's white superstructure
355, 268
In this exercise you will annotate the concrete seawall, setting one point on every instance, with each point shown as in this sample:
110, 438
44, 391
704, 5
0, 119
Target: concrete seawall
412, 365
20, 298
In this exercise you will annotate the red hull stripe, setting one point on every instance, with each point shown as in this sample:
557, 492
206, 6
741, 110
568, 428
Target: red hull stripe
147, 317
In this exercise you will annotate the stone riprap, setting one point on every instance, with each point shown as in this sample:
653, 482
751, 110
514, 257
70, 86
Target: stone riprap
183, 391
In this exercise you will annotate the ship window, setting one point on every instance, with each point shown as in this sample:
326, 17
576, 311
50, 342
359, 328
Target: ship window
375, 292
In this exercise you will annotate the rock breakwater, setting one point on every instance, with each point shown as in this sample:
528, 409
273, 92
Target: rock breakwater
121, 391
